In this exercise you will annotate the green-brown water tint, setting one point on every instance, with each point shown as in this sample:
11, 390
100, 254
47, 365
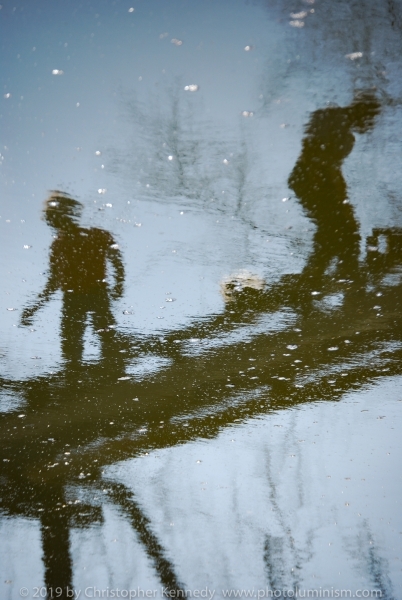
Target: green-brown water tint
85, 417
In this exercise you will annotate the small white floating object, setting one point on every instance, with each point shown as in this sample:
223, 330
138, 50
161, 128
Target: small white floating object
102, 191
299, 15
57, 72
123, 378
247, 113
296, 23
333, 348
292, 346
131, 10
193, 87
248, 48
176, 42
354, 55
8, 95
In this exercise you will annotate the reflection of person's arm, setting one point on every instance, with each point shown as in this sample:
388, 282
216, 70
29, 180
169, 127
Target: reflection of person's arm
42, 298
114, 255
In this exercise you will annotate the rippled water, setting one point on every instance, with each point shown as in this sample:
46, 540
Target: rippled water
201, 305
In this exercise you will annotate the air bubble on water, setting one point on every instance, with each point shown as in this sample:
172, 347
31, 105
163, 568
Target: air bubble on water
379, 294
225, 161
170, 299
8, 95
315, 293
193, 87
176, 42
292, 346
12, 309
131, 10
77, 104
137, 224
347, 342
248, 48
102, 191
57, 72
296, 23
198, 461
247, 113
108, 205
333, 348
115, 246
127, 312
170, 157
98, 153
26, 247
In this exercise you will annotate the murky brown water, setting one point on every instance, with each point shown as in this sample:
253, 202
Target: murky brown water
201, 318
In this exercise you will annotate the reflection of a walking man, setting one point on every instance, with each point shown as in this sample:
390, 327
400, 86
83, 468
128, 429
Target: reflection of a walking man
78, 267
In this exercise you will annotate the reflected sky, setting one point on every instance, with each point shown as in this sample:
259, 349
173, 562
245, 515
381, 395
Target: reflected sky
217, 148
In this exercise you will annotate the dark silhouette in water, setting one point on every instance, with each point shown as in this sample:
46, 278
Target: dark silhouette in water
318, 183
73, 427
78, 267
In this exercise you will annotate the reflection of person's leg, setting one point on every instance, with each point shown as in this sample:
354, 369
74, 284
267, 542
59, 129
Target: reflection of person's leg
104, 324
336, 239
73, 321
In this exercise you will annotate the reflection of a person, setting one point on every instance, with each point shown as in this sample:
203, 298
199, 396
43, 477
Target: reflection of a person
319, 184
78, 267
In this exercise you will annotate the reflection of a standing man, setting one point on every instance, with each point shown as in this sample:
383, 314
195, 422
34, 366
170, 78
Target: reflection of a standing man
78, 267
321, 188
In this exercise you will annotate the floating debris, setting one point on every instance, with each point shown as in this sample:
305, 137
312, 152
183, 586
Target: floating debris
193, 87
238, 282
57, 72
300, 15
292, 346
296, 23
247, 113
354, 55
248, 48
